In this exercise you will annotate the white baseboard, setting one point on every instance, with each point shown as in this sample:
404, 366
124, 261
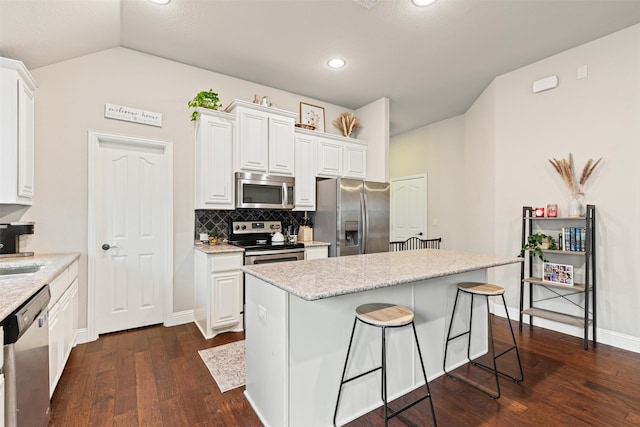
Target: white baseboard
82, 336
179, 318
604, 336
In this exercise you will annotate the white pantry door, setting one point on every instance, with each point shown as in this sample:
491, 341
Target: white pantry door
408, 208
130, 230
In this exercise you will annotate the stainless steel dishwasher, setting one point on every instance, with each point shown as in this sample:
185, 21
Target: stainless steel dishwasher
26, 363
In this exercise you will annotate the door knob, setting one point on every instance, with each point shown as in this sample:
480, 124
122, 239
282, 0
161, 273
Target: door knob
107, 246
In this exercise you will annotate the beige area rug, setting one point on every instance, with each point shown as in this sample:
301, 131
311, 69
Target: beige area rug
226, 364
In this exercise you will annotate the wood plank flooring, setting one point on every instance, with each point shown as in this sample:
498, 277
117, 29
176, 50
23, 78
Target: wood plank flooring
154, 377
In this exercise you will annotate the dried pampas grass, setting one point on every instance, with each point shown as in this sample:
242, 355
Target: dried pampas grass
346, 123
566, 170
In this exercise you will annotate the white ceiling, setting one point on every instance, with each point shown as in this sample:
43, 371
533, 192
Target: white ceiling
431, 62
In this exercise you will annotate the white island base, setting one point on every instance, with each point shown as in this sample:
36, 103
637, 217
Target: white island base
295, 349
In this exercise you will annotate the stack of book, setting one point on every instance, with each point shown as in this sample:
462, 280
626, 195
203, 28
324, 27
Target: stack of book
572, 239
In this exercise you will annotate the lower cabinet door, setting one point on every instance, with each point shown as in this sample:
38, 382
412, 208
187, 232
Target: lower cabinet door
225, 304
56, 337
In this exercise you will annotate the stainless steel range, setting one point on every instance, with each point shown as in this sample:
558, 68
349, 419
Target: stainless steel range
263, 242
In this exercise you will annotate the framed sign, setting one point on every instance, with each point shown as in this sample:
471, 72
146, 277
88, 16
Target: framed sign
312, 115
557, 273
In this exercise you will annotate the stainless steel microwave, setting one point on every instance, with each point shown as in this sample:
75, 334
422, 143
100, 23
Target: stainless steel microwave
264, 191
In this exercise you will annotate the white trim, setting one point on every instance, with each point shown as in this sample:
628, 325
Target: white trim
95, 138
180, 318
605, 336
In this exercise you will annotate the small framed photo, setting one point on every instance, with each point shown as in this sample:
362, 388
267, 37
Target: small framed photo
557, 273
312, 115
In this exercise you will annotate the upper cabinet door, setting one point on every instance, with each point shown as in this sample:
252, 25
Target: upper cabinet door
252, 140
329, 158
214, 155
305, 190
355, 161
16, 133
281, 145
26, 124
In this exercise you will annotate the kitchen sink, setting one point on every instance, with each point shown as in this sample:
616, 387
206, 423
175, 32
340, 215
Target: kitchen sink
21, 269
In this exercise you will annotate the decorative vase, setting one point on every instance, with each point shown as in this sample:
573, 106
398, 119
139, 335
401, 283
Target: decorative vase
576, 208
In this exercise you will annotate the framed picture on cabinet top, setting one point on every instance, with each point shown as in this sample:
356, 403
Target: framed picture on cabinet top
312, 115
557, 273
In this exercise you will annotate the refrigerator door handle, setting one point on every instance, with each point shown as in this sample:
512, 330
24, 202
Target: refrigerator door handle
365, 222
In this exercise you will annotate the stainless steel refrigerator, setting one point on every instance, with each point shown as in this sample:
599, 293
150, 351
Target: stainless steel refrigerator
353, 216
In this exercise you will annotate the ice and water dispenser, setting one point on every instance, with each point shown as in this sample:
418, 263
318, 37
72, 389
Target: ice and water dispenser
351, 236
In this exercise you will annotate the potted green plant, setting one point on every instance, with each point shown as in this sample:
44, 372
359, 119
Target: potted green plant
205, 99
537, 243
213, 237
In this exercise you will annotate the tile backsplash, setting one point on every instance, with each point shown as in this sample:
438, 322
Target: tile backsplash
209, 220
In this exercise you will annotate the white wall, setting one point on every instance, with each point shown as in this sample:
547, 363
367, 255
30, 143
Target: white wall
509, 135
70, 101
375, 120
598, 116
436, 150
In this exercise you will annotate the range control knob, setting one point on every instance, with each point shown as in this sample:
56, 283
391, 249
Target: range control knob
237, 227
244, 227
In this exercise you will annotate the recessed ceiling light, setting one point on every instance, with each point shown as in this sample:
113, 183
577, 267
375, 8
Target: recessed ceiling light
336, 63
421, 3
162, 2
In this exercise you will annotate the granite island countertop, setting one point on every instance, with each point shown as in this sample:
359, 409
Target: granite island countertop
324, 278
15, 290
226, 248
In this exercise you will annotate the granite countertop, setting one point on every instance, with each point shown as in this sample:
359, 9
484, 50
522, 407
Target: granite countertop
225, 247
217, 249
324, 278
17, 289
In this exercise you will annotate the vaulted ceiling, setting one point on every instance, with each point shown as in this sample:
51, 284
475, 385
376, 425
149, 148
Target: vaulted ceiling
431, 62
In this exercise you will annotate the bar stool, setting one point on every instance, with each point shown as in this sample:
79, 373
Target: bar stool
487, 290
384, 316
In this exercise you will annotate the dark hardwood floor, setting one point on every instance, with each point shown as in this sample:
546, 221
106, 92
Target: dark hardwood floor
154, 377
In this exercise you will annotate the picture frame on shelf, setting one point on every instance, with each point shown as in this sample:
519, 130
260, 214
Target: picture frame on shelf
557, 273
312, 115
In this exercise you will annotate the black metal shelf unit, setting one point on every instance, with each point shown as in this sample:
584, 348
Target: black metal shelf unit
587, 290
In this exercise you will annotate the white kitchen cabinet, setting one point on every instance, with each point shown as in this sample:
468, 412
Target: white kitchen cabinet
16, 133
218, 303
338, 156
264, 139
305, 166
355, 160
329, 158
63, 322
214, 160
316, 252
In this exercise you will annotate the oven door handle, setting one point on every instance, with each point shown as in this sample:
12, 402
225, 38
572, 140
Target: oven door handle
281, 257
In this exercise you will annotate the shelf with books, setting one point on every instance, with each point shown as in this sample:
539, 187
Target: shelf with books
559, 302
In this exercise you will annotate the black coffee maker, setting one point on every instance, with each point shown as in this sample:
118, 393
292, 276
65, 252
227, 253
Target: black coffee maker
10, 238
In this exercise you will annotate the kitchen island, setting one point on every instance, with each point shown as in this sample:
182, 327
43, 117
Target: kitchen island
299, 319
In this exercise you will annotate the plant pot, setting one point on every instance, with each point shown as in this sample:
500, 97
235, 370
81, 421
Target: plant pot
545, 244
576, 208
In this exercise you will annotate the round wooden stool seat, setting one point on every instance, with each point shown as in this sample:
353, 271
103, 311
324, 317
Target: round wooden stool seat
481, 288
382, 314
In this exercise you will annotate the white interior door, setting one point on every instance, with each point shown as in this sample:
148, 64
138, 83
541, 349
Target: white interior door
408, 207
130, 229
